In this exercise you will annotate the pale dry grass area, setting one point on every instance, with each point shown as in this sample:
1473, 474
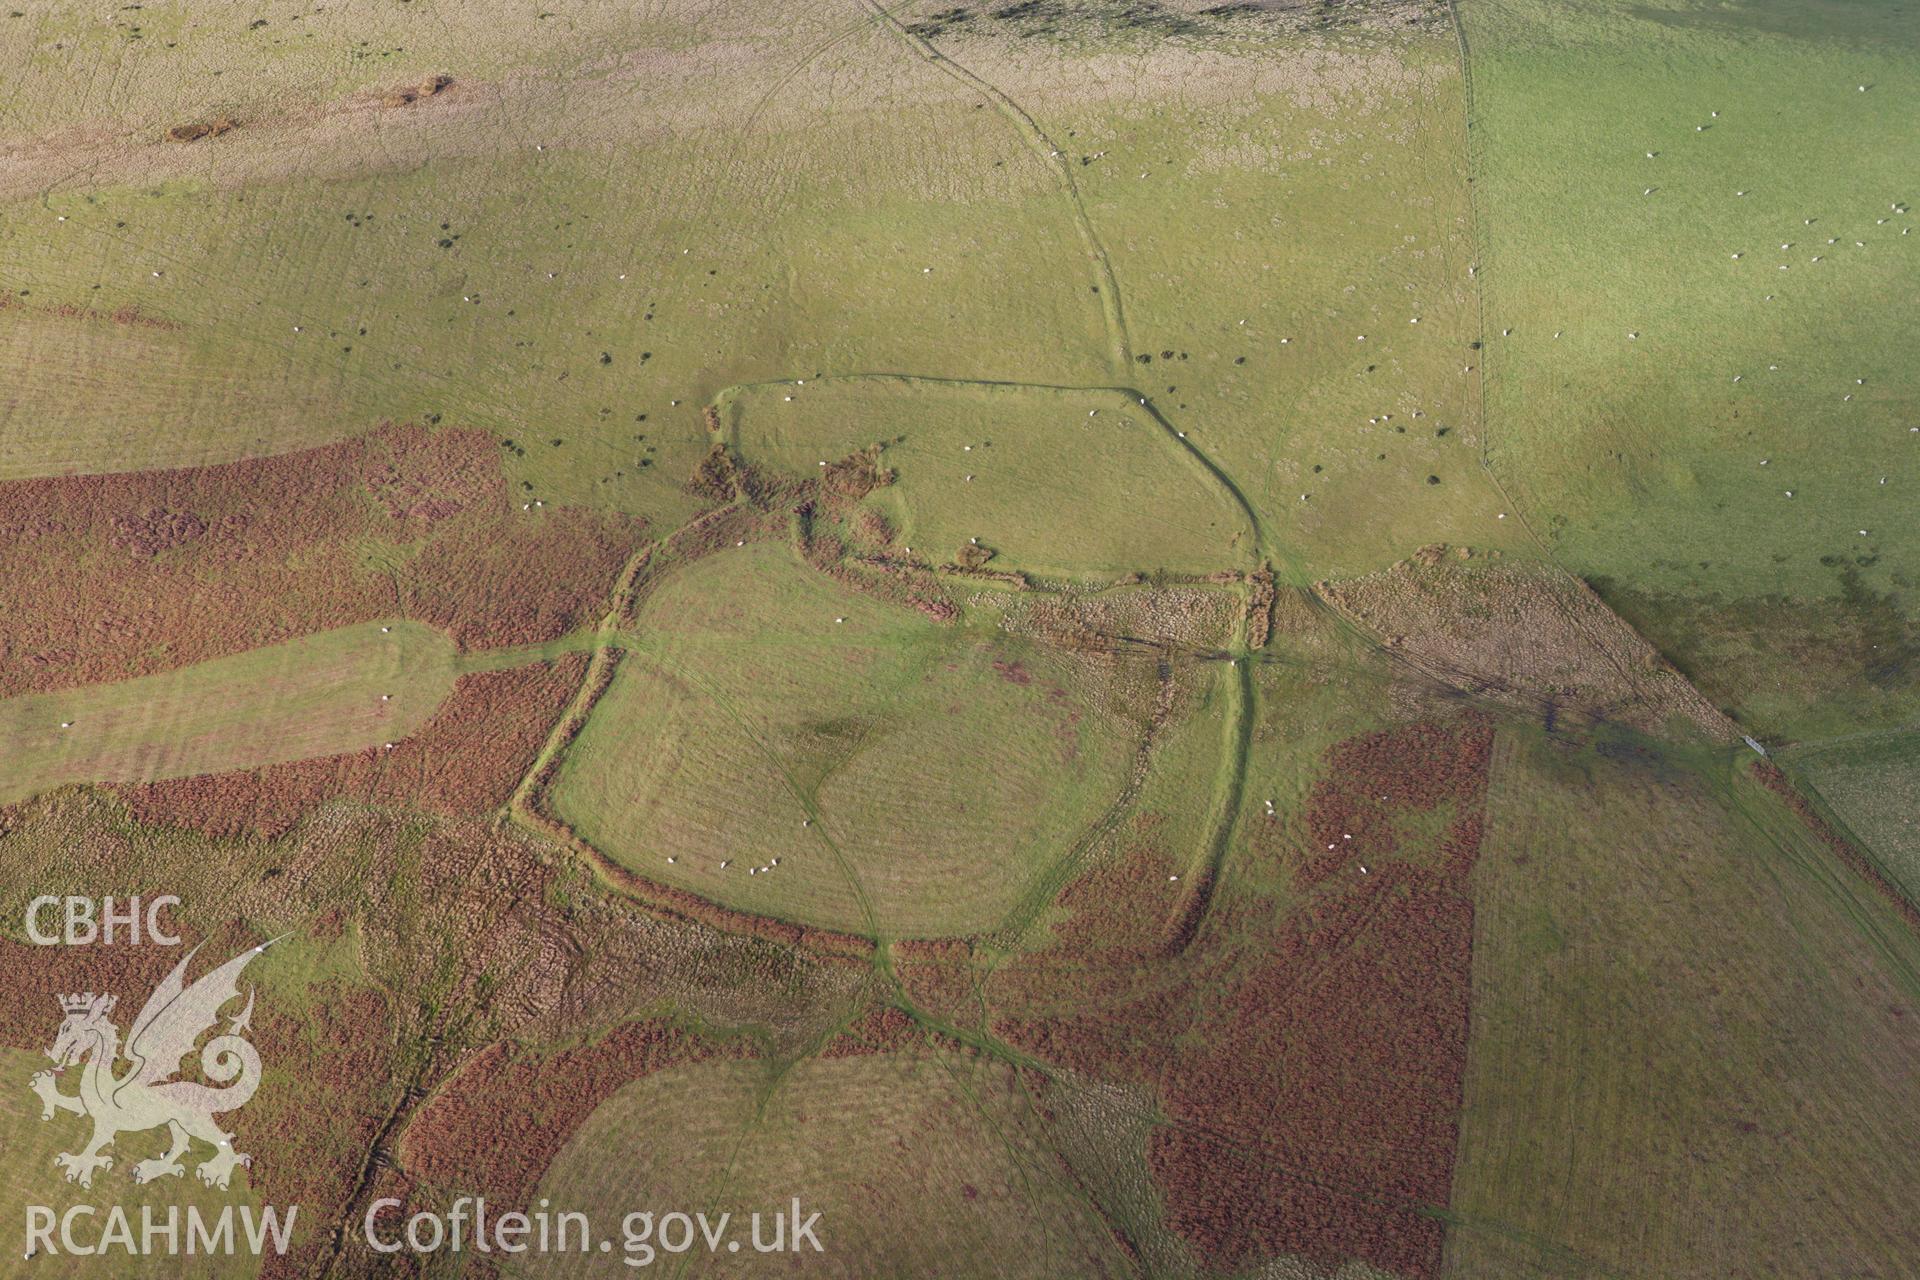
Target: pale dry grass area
652, 97
606, 75
604, 80
1310, 75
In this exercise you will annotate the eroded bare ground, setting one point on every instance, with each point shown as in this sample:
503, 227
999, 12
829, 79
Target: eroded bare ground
1524, 634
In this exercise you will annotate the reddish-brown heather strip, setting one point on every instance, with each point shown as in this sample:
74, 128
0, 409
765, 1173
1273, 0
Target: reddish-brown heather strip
1312, 1066
129, 315
32, 980
115, 576
881, 1029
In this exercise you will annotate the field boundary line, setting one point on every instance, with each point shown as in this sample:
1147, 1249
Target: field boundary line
1145, 403
611, 642
1119, 342
1476, 243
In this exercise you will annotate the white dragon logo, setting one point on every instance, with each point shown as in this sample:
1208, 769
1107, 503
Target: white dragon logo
145, 1095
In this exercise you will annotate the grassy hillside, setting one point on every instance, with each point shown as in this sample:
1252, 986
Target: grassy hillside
1699, 266
405, 273
335, 692
1716, 1029
1104, 637
917, 1161
910, 778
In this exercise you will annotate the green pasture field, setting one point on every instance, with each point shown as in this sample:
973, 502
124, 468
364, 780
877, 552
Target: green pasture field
1061, 482
88, 394
912, 778
1162, 288
919, 1163
497, 256
873, 210
1696, 223
316, 696
1290, 236
1681, 1020
1873, 785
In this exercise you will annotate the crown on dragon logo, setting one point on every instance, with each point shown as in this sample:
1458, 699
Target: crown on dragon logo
82, 1003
